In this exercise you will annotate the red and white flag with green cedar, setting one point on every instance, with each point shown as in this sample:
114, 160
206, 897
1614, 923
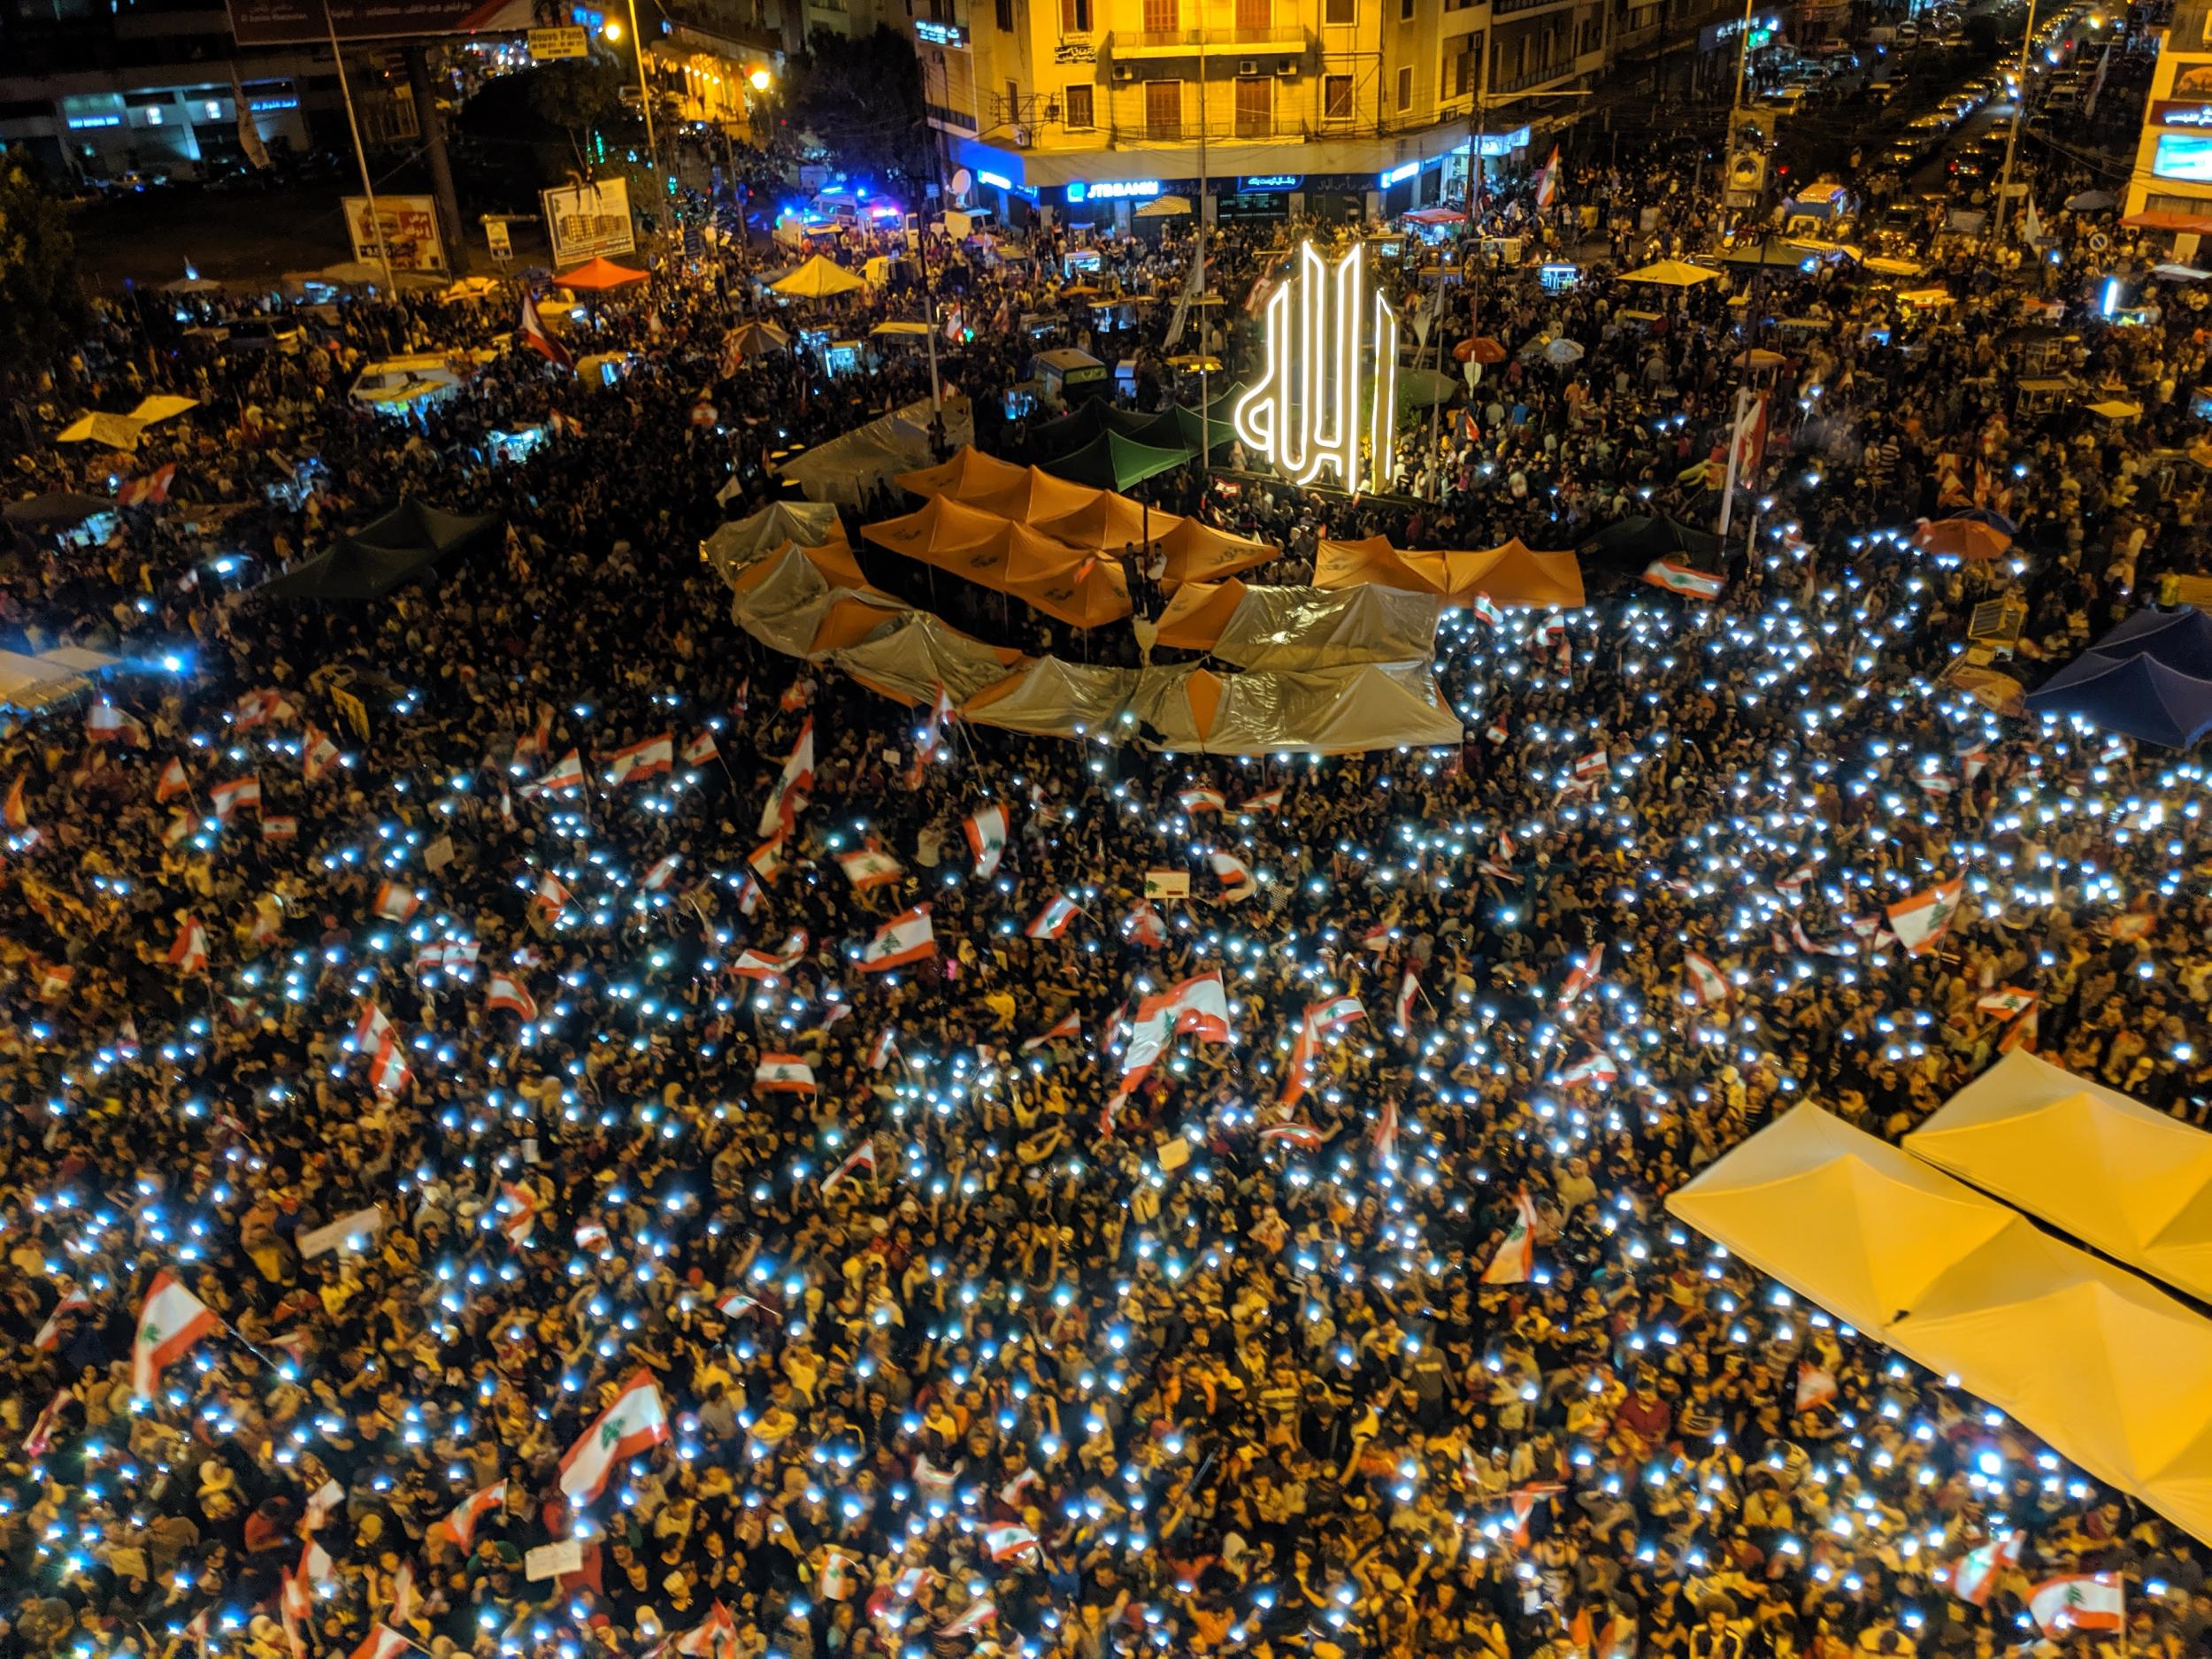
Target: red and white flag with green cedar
635, 1422
1974, 1574
171, 1324
1515, 1264
1922, 920
2089, 1602
1680, 578
714, 1639
460, 1524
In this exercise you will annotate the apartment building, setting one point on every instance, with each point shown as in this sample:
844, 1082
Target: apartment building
1341, 108
2171, 187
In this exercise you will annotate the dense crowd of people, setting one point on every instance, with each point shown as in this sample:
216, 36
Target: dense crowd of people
470, 1095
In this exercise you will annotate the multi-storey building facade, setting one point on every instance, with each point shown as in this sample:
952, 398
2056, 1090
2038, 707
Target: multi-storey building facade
1337, 107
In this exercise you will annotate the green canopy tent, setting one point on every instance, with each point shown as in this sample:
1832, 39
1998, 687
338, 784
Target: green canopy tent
369, 562
1179, 426
1110, 461
1644, 536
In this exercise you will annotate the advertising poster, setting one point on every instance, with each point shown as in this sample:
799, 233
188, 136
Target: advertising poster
590, 223
410, 231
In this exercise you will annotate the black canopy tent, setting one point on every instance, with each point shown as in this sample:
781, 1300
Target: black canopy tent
369, 562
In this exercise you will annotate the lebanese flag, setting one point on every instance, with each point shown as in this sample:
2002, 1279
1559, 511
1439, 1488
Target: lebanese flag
150, 491
760, 964
318, 757
461, 1523
1595, 1068
13, 813
505, 994
1235, 875
550, 897
1515, 1264
388, 1071
862, 1162
869, 867
884, 1599
981, 1611
381, 1642
1748, 441
533, 334
2093, 1601
1547, 181
2006, 1001
171, 1324
767, 860
1266, 800
1198, 1005
369, 1028
925, 739
104, 723
40, 1441
662, 873
1144, 924
1680, 578
53, 980
1579, 981
986, 839
518, 1213
1522, 1502
1069, 1027
712, 1640
1384, 1137
394, 902
1408, 987
2022, 1032
189, 954
1304, 1136
171, 783
1922, 920
279, 827
567, 774
1487, 609
886, 1045
1052, 921
654, 758
1197, 800
838, 1577
792, 783
49, 1337
1974, 1574
634, 1422
780, 1073
1004, 1544
229, 799
1815, 1386
1708, 987
700, 750
906, 937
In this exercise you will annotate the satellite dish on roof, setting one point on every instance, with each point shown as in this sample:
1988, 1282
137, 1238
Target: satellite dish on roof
963, 182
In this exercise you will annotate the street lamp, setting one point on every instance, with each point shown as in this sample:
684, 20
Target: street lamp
612, 30
761, 80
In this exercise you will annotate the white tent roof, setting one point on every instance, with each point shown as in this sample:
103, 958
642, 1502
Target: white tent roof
1311, 627
846, 468
1053, 698
32, 682
1332, 711
784, 607
916, 654
2133, 1182
733, 546
2110, 1371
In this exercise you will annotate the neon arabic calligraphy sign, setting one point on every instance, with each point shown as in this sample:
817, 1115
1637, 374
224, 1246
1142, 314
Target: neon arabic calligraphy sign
1321, 404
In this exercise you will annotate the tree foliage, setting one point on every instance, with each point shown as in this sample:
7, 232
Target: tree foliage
42, 307
862, 99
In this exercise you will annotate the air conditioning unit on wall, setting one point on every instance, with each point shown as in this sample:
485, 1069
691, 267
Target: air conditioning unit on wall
1248, 67
1124, 72
1285, 66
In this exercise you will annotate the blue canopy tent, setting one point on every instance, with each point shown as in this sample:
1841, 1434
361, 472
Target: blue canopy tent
2149, 679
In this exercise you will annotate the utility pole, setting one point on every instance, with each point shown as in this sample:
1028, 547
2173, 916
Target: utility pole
645, 103
368, 185
2012, 134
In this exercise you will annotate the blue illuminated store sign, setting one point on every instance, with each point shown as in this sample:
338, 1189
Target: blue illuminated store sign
1270, 181
1114, 190
934, 34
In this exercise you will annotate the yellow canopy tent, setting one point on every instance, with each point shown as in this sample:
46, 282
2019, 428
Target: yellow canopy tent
116, 431
163, 406
1197, 552
818, 279
1108, 523
1032, 494
1672, 273
969, 473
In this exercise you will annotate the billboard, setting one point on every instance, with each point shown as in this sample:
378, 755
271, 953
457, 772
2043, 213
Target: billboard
410, 231
296, 22
589, 223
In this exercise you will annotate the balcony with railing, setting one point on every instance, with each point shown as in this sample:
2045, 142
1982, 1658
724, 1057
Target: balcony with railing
1278, 39
1564, 68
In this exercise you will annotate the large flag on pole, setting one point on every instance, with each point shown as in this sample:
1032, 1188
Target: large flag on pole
171, 1324
635, 1422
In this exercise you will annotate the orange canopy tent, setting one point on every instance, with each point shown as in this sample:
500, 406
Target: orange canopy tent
1108, 523
1511, 575
846, 624
601, 274
1968, 539
1081, 589
1090, 596
1195, 616
937, 530
970, 472
1032, 494
1197, 552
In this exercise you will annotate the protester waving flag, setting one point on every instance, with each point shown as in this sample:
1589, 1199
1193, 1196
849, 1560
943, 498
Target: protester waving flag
172, 1322
634, 1422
